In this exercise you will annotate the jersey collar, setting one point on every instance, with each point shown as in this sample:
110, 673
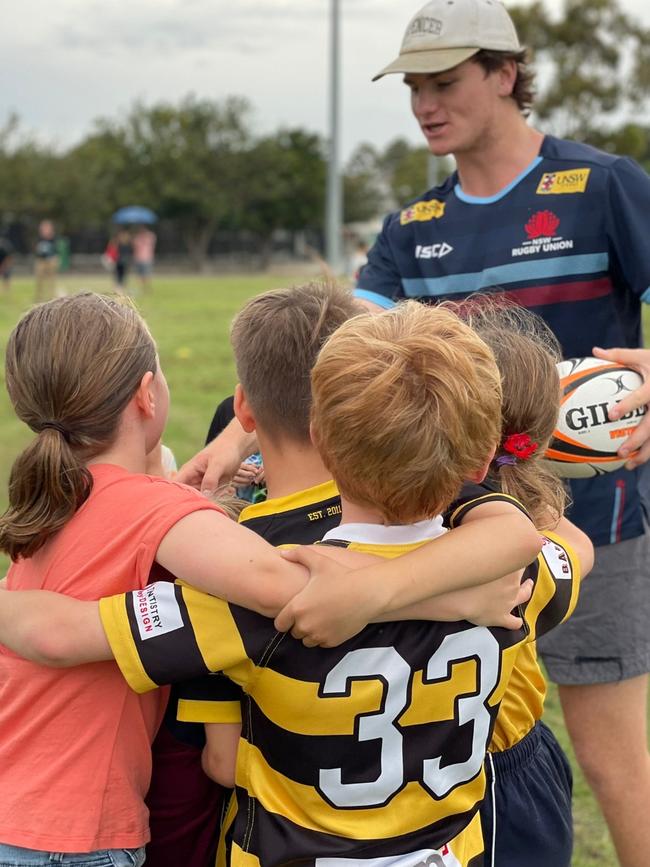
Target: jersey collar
392, 534
488, 200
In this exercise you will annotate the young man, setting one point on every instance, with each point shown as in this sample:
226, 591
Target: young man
560, 227
374, 749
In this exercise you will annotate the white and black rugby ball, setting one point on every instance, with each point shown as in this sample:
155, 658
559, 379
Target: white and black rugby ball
586, 441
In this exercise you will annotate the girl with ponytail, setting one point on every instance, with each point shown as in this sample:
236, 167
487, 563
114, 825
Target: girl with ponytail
526, 352
526, 816
72, 366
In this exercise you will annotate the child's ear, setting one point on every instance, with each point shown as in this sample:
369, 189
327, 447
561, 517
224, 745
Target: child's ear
144, 396
243, 411
480, 474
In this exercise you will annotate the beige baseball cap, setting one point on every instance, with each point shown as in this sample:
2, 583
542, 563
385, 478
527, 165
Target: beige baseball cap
444, 33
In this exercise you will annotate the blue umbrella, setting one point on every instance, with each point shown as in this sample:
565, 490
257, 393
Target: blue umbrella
134, 214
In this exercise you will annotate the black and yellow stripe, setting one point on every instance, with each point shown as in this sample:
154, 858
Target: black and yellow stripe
301, 518
297, 519
522, 703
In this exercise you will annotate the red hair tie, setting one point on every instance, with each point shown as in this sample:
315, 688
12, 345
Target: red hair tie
519, 447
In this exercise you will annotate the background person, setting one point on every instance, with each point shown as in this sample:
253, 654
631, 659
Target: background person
6, 263
562, 228
47, 261
144, 249
123, 247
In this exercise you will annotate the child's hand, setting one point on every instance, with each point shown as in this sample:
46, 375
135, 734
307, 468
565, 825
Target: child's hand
493, 604
332, 607
246, 475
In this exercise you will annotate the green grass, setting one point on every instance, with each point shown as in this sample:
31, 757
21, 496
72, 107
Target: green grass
189, 317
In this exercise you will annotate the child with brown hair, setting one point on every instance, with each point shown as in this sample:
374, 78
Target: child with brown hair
345, 748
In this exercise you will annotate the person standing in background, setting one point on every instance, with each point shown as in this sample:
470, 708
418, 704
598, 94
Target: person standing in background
6, 263
123, 245
144, 248
47, 262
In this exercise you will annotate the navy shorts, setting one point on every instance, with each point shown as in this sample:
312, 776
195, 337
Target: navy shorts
526, 815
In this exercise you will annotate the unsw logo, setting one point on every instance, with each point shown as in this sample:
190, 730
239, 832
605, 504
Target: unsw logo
432, 251
556, 183
541, 229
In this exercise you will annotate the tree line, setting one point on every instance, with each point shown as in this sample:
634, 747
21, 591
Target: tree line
199, 164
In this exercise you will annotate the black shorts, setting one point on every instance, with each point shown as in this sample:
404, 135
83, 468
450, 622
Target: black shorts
526, 815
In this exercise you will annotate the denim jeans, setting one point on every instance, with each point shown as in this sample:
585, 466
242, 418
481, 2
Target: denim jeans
16, 856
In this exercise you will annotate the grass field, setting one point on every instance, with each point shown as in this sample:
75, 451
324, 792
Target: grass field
189, 318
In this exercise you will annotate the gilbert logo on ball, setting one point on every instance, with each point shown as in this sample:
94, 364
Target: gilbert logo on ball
586, 441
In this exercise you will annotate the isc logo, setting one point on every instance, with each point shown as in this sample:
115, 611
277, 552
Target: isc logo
432, 251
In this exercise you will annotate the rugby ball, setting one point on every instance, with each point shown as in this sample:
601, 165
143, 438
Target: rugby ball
585, 441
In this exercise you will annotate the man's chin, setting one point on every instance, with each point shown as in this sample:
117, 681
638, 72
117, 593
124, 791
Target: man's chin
439, 149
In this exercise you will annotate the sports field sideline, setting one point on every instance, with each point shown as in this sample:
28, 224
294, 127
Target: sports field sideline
189, 317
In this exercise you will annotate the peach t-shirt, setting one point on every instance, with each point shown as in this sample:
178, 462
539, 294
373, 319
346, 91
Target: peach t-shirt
75, 743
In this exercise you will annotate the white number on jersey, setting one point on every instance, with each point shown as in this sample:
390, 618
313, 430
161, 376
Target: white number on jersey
386, 664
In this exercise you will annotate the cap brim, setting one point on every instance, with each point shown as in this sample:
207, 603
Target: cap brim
428, 61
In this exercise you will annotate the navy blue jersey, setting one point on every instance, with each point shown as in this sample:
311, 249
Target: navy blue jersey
567, 238
45, 248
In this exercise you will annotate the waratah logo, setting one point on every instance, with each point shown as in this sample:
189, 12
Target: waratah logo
543, 224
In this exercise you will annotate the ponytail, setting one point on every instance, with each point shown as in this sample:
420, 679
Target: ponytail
47, 484
530, 482
526, 352
72, 366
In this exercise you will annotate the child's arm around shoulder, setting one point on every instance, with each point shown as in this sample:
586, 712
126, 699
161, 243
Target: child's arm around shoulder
52, 629
203, 547
220, 557
487, 604
496, 539
580, 543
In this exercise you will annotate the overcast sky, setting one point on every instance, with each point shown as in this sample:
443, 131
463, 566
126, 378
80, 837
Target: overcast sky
65, 62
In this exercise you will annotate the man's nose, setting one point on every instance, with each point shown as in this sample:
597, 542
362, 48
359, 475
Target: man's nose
425, 102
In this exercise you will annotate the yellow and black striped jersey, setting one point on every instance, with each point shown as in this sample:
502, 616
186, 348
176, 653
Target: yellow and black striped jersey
297, 519
301, 518
523, 702
373, 749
